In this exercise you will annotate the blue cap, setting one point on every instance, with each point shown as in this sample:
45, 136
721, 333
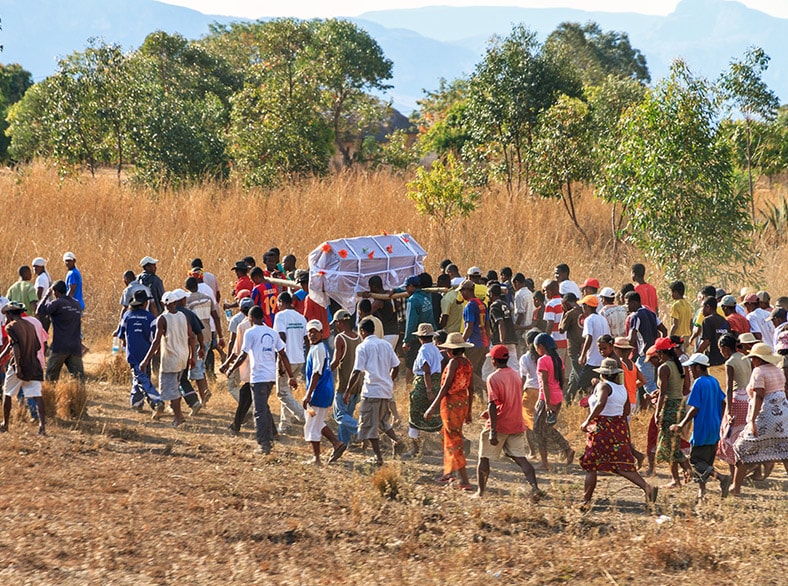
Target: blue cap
413, 281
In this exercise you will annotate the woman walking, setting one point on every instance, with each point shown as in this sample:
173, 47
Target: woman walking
426, 381
454, 402
550, 369
670, 410
530, 379
737, 373
608, 443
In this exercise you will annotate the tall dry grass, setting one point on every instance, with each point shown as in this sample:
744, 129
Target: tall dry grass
110, 227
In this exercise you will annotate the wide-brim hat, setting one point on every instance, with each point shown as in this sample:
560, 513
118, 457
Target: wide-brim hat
748, 338
139, 299
623, 343
425, 331
764, 352
608, 366
455, 340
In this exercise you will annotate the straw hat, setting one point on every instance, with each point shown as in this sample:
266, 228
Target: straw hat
425, 331
608, 366
623, 343
747, 338
764, 352
455, 340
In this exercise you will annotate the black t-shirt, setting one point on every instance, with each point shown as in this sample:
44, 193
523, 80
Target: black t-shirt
500, 313
713, 327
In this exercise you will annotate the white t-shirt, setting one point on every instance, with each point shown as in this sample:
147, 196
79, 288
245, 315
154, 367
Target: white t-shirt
261, 345
293, 325
594, 325
524, 305
240, 329
528, 371
760, 323
376, 358
44, 281
206, 290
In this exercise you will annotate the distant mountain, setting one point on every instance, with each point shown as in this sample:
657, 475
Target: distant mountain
425, 44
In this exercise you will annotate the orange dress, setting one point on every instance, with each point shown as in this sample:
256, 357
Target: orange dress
454, 409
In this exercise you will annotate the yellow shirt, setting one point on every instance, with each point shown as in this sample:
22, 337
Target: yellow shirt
681, 311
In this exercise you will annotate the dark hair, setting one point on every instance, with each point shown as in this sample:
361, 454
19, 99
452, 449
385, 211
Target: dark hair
529, 282
678, 287
257, 272
250, 261
256, 312
494, 290
275, 250
678, 340
673, 356
491, 275
728, 341
129, 275
606, 338
539, 296
518, 278
638, 269
549, 345
444, 263
440, 336
425, 280
633, 296
562, 268
506, 272
196, 263
365, 305
457, 351
60, 287
709, 291
569, 297
285, 297
191, 284
452, 267
626, 288
710, 302
367, 325
376, 280
23, 269
444, 280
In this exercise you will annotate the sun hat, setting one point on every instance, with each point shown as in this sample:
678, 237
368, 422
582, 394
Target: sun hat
608, 366
608, 293
764, 352
39, 262
499, 352
455, 340
474, 271
696, 358
340, 315
747, 338
728, 301
148, 260
69, 256
651, 351
663, 344
425, 331
590, 283
139, 299
314, 324
623, 343
590, 300
13, 306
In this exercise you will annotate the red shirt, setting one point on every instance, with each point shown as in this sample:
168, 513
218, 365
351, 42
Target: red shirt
243, 283
648, 296
738, 323
264, 296
504, 389
313, 310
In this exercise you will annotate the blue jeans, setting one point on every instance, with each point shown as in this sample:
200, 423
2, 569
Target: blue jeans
263, 420
142, 388
347, 425
649, 372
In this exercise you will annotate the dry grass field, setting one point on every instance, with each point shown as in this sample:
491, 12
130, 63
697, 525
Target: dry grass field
111, 497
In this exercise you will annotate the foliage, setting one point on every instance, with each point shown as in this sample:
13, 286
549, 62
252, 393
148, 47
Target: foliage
441, 193
515, 82
14, 82
395, 153
561, 154
442, 119
674, 173
597, 54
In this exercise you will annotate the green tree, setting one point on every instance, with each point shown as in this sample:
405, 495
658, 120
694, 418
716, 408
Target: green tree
442, 119
515, 82
442, 194
597, 54
744, 89
562, 154
14, 82
673, 170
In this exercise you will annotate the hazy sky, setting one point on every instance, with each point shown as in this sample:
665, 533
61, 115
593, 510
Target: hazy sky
328, 8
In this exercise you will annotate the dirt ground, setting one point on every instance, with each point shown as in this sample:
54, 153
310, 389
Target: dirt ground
116, 498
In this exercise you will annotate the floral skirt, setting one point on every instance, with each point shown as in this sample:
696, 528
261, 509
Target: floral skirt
669, 443
419, 403
771, 424
725, 447
608, 446
454, 409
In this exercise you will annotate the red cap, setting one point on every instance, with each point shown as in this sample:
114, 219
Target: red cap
243, 293
751, 298
590, 283
663, 344
499, 352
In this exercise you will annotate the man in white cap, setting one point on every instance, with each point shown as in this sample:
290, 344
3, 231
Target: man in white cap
43, 280
616, 315
153, 282
73, 279
175, 340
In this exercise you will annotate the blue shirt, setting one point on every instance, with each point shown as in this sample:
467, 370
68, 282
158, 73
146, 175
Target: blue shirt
138, 328
707, 397
74, 277
317, 362
476, 314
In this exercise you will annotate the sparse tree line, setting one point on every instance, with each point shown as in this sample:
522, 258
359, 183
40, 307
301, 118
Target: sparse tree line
267, 102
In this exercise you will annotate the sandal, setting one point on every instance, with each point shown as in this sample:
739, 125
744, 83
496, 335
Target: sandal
466, 487
445, 479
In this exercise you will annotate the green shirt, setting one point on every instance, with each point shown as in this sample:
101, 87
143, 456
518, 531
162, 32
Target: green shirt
24, 292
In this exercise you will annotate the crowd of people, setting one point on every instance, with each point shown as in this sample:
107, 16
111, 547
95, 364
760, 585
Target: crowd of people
712, 380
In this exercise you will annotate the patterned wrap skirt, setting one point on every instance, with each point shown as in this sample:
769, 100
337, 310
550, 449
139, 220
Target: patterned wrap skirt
725, 447
608, 446
771, 424
419, 403
669, 443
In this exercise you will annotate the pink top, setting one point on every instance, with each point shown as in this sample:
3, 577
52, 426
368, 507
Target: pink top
768, 377
556, 394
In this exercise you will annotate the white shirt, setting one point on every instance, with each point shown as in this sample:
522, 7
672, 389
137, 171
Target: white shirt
44, 281
528, 371
240, 329
761, 323
568, 286
376, 358
293, 325
261, 345
524, 305
430, 355
206, 290
615, 401
594, 325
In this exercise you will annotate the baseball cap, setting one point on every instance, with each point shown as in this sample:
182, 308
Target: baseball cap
499, 352
590, 300
314, 324
663, 344
175, 295
413, 281
751, 298
728, 301
69, 256
696, 358
39, 262
148, 260
467, 284
590, 283
242, 294
340, 315
607, 293
720, 292
246, 303
474, 271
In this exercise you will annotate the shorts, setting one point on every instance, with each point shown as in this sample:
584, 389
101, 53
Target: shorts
513, 444
313, 426
198, 372
169, 387
30, 388
374, 415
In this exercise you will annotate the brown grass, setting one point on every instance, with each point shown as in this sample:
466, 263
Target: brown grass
110, 228
72, 398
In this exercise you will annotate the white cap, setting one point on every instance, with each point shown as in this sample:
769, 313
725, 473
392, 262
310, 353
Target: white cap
39, 262
173, 296
608, 292
696, 358
314, 324
474, 271
69, 256
148, 260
